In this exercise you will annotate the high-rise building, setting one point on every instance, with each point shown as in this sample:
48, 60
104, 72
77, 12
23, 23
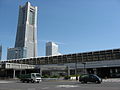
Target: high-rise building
51, 49
15, 53
0, 51
26, 38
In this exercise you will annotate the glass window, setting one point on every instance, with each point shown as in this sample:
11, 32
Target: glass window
31, 17
23, 15
33, 75
38, 75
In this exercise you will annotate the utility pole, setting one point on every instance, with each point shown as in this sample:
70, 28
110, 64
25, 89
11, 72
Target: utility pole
76, 69
84, 63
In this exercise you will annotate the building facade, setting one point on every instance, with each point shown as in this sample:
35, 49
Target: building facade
51, 49
26, 37
105, 63
0, 52
15, 53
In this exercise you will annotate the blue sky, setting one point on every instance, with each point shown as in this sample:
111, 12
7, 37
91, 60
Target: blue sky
76, 25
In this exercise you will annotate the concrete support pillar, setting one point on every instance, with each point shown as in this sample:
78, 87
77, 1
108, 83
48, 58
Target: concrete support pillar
14, 73
95, 71
25, 71
20, 72
111, 71
40, 71
116, 70
68, 70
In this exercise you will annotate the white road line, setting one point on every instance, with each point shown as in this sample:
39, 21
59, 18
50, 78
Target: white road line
45, 88
31, 88
66, 86
111, 80
6, 81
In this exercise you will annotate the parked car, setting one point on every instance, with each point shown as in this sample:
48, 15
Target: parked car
89, 78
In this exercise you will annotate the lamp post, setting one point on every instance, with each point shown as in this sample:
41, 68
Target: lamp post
84, 63
76, 70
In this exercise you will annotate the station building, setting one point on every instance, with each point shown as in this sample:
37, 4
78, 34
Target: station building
104, 63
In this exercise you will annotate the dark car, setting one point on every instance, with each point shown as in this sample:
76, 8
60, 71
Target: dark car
89, 78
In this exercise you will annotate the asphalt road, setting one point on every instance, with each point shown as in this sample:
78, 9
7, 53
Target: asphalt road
58, 85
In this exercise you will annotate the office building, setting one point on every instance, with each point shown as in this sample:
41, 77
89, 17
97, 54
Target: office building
15, 53
0, 52
26, 38
51, 49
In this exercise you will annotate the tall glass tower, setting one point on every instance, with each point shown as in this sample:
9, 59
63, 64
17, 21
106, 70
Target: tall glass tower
26, 38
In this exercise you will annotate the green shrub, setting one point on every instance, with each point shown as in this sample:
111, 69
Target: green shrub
45, 76
74, 75
55, 76
67, 77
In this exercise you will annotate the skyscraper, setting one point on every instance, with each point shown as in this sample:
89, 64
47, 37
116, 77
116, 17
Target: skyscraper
26, 38
0, 51
51, 49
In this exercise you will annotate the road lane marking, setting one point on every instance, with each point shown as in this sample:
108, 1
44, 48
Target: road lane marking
66, 86
6, 81
45, 88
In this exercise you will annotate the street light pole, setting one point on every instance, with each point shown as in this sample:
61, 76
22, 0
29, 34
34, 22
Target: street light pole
76, 70
84, 63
